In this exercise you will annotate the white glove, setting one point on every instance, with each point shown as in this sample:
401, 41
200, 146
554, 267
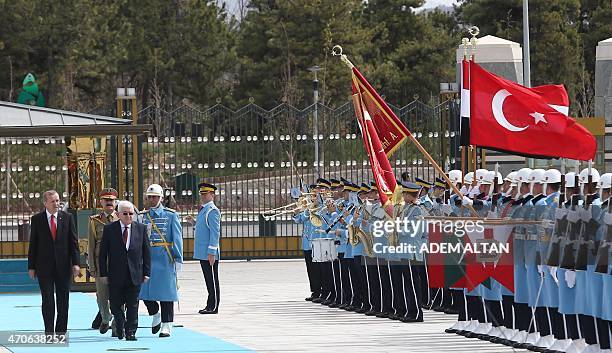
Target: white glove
178, 267
466, 201
541, 270
570, 278
553, 273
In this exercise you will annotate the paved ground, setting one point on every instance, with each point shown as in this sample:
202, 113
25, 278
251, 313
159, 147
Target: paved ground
262, 309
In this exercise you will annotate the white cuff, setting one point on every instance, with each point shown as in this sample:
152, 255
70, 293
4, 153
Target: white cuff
213, 247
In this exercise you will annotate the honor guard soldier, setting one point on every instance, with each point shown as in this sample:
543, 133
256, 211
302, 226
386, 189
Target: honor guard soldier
166, 241
206, 245
96, 225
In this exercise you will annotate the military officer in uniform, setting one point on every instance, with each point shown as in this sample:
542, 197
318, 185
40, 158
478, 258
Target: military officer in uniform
166, 241
206, 245
96, 225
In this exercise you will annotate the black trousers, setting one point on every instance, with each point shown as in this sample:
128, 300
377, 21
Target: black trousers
587, 328
508, 313
374, 283
494, 313
327, 279
427, 293
337, 282
124, 294
523, 315
475, 308
314, 277
360, 284
415, 271
387, 288
460, 301
211, 276
347, 288
400, 295
167, 309
54, 290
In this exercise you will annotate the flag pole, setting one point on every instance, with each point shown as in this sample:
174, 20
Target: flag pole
474, 31
337, 50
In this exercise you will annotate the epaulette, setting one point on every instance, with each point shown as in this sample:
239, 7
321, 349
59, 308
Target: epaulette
170, 209
98, 215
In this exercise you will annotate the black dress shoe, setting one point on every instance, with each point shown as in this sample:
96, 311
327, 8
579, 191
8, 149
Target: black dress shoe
450, 330
334, 305
130, 337
471, 335
396, 317
317, 300
327, 302
206, 311
451, 311
462, 332
361, 310
95, 324
410, 319
155, 329
351, 308
383, 315
342, 306
519, 344
309, 299
104, 328
371, 313
438, 309
120, 334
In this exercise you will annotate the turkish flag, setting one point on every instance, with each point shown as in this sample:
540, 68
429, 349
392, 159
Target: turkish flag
529, 121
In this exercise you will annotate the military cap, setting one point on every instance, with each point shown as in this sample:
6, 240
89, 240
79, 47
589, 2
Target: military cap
109, 193
206, 187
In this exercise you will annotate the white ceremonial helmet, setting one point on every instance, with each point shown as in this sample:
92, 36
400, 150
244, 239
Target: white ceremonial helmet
455, 176
480, 175
584, 176
469, 178
522, 176
511, 177
488, 178
155, 190
552, 176
537, 176
605, 181
570, 180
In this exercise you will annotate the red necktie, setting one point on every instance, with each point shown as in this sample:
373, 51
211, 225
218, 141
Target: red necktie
125, 235
53, 227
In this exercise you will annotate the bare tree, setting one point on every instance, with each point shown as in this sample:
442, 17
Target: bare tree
585, 95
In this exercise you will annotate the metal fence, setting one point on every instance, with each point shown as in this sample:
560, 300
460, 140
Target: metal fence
253, 155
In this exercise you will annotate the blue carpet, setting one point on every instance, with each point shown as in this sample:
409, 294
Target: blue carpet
21, 312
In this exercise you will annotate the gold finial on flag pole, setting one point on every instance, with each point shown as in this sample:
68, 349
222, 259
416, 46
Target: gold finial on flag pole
337, 51
465, 42
474, 31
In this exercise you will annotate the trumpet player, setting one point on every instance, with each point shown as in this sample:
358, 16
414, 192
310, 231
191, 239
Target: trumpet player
326, 211
353, 301
337, 187
308, 233
358, 251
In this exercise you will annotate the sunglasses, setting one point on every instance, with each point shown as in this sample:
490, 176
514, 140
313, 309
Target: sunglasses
128, 213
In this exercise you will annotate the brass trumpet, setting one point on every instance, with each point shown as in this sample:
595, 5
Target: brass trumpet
304, 202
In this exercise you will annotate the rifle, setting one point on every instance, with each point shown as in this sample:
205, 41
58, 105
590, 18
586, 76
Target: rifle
554, 249
587, 230
602, 259
573, 225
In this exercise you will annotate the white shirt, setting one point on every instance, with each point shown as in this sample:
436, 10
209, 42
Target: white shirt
129, 227
49, 219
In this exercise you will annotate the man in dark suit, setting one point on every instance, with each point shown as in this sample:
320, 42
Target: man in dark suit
125, 263
52, 257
